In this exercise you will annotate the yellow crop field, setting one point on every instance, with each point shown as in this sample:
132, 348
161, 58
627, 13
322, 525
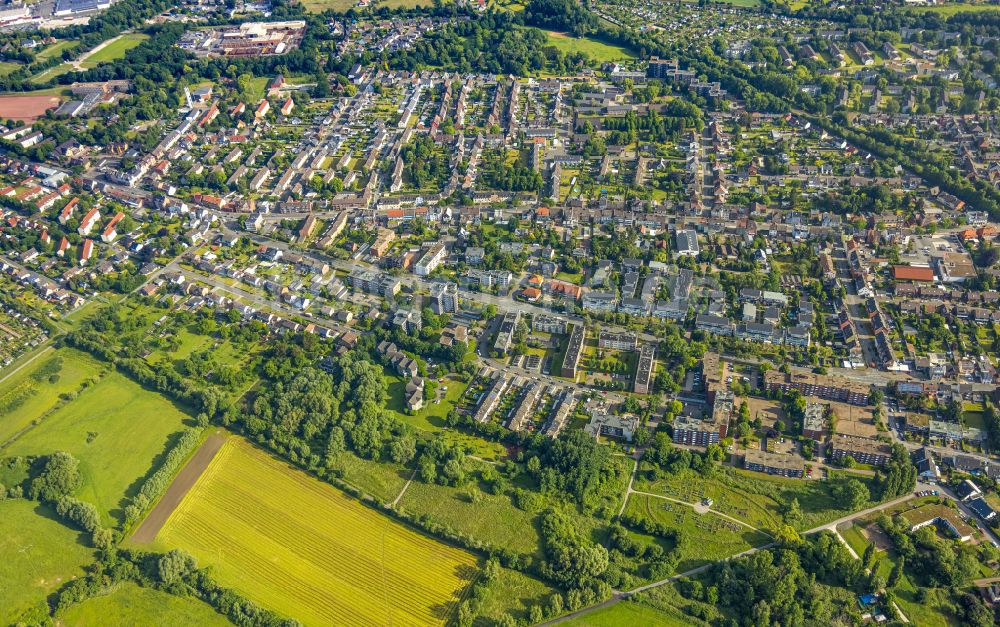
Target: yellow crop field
306, 550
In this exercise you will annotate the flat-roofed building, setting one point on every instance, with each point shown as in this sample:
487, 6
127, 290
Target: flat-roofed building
861, 450
644, 369
615, 340
574, 350
781, 464
829, 387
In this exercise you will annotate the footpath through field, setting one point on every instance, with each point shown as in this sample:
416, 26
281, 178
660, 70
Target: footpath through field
179, 487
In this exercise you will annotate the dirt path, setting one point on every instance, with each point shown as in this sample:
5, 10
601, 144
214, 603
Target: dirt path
399, 496
179, 487
28, 362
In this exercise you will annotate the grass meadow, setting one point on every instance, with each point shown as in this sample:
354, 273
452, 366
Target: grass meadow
39, 553
754, 498
704, 537
116, 429
114, 50
129, 605
306, 550
627, 614
595, 49
31, 393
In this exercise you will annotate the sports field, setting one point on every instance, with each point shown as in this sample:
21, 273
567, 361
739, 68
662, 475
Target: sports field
40, 554
306, 550
116, 429
130, 605
27, 108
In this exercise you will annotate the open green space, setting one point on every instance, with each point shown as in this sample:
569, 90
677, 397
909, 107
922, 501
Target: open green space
116, 429
934, 610
493, 519
52, 72
430, 419
56, 49
754, 498
382, 480
114, 49
951, 8
36, 389
703, 537
630, 614
513, 593
39, 554
318, 6
129, 605
595, 49
855, 538
306, 550
6, 67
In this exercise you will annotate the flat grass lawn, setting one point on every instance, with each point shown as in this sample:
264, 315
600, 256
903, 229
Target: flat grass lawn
116, 429
630, 614
306, 550
29, 394
855, 538
130, 605
431, 416
56, 49
114, 50
704, 537
39, 555
596, 50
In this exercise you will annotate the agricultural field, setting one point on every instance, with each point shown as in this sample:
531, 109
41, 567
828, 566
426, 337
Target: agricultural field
597, 50
306, 550
704, 537
40, 554
130, 605
105, 419
112, 50
22, 398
